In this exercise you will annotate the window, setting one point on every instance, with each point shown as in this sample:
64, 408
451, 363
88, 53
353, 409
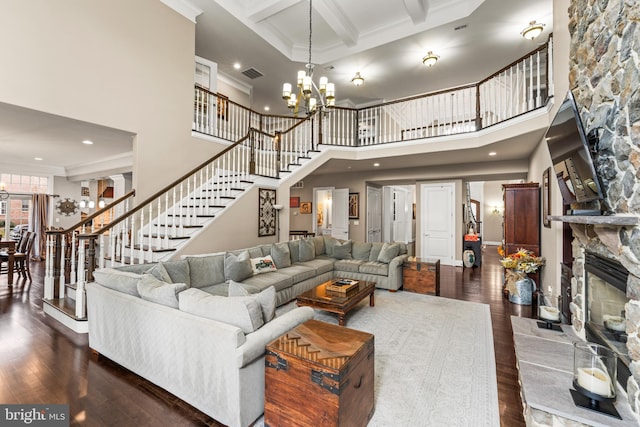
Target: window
25, 205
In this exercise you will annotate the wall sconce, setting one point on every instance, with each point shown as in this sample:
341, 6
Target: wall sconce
101, 203
496, 210
430, 59
533, 30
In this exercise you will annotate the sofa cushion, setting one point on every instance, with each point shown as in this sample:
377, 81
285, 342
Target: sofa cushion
388, 252
307, 250
352, 265
342, 250
321, 264
294, 250
237, 267
374, 267
239, 289
276, 279
329, 242
266, 298
263, 265
178, 271
244, 313
121, 281
319, 242
221, 289
154, 290
375, 251
255, 252
206, 270
159, 272
299, 272
266, 249
360, 250
280, 254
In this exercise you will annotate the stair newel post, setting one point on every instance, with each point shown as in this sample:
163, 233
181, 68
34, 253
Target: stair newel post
174, 229
159, 241
49, 281
149, 250
277, 141
102, 250
60, 263
252, 153
165, 223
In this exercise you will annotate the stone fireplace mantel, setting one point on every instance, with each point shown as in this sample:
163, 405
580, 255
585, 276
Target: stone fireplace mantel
606, 220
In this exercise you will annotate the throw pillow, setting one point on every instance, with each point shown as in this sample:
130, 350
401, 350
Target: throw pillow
154, 290
307, 250
237, 267
360, 250
388, 252
159, 272
329, 241
319, 242
342, 250
375, 251
280, 254
263, 264
243, 313
178, 271
266, 298
294, 250
121, 281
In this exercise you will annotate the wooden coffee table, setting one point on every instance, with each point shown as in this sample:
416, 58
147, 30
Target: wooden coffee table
319, 298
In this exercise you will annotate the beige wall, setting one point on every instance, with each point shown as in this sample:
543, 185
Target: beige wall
492, 223
119, 63
65, 189
551, 238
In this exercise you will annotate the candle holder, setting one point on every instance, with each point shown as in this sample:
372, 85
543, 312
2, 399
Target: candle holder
550, 318
594, 378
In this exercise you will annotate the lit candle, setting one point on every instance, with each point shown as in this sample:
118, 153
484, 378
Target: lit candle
547, 312
615, 323
596, 381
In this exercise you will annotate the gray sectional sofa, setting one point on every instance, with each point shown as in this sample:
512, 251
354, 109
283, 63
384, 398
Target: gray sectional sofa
198, 326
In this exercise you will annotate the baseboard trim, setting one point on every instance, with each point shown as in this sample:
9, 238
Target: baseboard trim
78, 326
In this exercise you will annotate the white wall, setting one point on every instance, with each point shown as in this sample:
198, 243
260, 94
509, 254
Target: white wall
124, 64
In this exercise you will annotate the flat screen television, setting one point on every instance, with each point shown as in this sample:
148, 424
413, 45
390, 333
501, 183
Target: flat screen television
570, 150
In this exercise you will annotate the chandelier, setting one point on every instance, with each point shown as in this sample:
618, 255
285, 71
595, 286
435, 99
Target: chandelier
325, 91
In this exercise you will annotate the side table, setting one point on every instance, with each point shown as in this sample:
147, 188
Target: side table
319, 374
421, 275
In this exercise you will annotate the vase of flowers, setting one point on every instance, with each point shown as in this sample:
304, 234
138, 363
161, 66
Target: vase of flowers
517, 267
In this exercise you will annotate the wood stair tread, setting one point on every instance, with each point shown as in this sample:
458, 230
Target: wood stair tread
65, 305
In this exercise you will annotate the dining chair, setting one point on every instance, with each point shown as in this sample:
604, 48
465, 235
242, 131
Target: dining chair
21, 256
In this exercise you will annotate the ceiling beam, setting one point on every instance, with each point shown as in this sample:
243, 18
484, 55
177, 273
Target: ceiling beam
271, 8
417, 10
337, 20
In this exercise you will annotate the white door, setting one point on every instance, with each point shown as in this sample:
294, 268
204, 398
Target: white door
340, 213
437, 222
402, 215
374, 214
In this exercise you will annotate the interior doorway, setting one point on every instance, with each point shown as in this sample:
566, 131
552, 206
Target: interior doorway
331, 212
398, 214
437, 230
374, 214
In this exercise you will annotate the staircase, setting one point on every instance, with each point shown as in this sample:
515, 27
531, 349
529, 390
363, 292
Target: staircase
156, 228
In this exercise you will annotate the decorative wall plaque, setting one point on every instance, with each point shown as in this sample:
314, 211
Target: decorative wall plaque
266, 212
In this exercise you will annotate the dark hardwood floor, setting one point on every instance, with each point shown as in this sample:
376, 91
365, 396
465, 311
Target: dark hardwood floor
43, 362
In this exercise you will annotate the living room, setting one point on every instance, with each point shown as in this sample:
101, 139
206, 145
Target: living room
133, 83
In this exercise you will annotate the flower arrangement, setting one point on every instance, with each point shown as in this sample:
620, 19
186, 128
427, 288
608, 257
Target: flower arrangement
522, 260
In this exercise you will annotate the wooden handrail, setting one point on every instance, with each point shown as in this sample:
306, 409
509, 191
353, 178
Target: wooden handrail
94, 215
539, 49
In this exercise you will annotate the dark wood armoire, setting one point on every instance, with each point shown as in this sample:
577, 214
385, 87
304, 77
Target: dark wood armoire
521, 217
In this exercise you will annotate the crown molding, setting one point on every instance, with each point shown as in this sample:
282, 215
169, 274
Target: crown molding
184, 8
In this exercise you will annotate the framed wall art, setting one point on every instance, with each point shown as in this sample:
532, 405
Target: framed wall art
266, 212
305, 207
294, 202
354, 205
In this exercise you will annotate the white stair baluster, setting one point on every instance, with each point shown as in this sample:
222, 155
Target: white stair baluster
61, 281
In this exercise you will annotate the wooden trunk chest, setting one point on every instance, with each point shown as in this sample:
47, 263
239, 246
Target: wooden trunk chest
319, 374
421, 275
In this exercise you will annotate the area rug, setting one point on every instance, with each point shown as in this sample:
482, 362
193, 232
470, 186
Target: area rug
434, 359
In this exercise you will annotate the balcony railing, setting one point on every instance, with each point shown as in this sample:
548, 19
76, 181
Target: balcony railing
518, 88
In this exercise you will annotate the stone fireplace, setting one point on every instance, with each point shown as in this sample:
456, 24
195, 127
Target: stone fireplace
604, 77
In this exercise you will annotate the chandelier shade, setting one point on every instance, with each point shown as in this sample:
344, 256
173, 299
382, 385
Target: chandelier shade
430, 59
302, 96
357, 80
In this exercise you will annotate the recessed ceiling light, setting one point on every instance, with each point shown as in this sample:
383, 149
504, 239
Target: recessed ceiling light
237, 65
266, 108
375, 165
37, 158
87, 142
493, 153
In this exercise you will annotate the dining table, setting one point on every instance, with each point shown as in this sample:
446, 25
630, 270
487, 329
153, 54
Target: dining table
10, 246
